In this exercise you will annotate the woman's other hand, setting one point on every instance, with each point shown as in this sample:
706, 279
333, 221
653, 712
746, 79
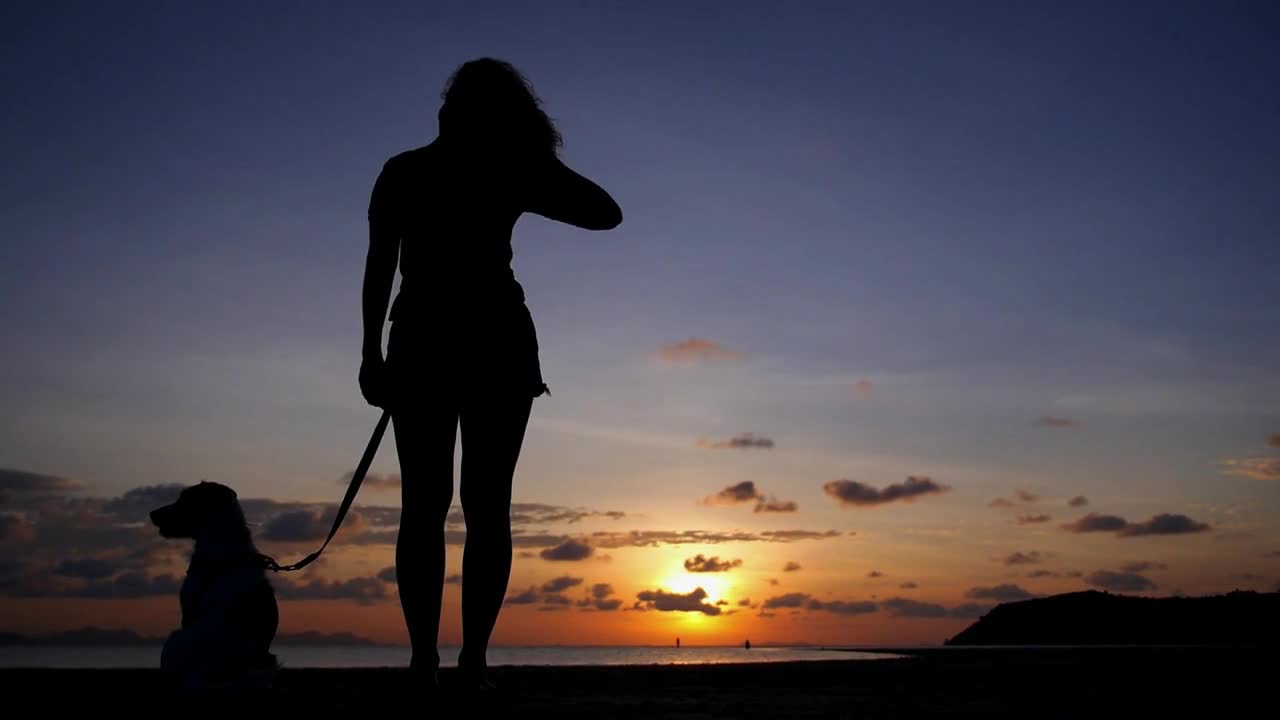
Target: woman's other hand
374, 384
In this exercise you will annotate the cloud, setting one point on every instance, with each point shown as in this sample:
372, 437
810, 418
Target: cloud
90, 568
528, 597
1019, 497
1120, 581
20, 481
657, 538
904, 607
790, 600
741, 441
361, 590
1026, 497
1258, 468
373, 481
697, 350
969, 610
308, 525
702, 564
15, 529
1143, 566
908, 585
560, 584
1078, 501
791, 566
1033, 519
744, 602
773, 582
999, 593
773, 504
851, 492
1021, 558
568, 551
556, 599
1001, 503
600, 591
675, 602
844, 607
1273, 440
1042, 574
875, 574
607, 605
599, 599
1049, 421
388, 575
744, 491
1093, 522
863, 386
1164, 524
130, 585
526, 513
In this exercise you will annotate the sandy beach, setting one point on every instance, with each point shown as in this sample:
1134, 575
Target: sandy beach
940, 682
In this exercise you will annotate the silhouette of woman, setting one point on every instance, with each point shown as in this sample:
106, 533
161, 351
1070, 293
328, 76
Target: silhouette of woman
462, 350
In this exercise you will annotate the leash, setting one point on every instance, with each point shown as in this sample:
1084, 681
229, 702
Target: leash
356, 479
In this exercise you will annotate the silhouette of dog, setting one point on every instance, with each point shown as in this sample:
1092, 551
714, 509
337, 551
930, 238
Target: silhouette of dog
229, 609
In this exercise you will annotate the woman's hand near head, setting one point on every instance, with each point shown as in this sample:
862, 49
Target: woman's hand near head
557, 192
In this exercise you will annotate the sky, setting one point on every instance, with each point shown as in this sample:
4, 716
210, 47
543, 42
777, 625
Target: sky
913, 309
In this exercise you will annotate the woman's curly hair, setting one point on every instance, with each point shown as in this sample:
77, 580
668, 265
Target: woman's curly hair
491, 101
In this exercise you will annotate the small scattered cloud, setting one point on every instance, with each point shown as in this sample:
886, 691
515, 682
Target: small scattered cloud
773, 504
999, 593
1119, 581
20, 481
1034, 518
1021, 558
908, 585
298, 526
875, 574
90, 568
556, 599
373, 481
843, 607
1042, 574
1093, 522
697, 350
1026, 497
742, 492
1050, 421
789, 600
527, 597
907, 608
791, 566
741, 441
773, 582
568, 551
1258, 468
1020, 497
852, 492
599, 598
664, 601
744, 602
1001, 503
560, 584
1143, 566
1164, 524
388, 575
1078, 501
361, 590
863, 386
702, 564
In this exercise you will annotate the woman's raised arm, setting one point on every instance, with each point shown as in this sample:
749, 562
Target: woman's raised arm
559, 193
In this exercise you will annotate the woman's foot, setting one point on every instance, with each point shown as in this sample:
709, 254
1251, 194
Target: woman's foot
473, 675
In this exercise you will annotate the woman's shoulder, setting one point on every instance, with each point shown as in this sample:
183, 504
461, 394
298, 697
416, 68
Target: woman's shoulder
411, 158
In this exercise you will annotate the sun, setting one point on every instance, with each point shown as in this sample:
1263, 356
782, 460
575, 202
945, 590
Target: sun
683, 583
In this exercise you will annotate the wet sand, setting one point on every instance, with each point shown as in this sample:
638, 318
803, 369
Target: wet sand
940, 682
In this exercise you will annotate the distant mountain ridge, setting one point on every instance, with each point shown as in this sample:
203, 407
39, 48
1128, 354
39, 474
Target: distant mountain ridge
1100, 618
107, 636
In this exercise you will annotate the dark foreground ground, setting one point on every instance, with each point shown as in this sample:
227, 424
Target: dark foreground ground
944, 682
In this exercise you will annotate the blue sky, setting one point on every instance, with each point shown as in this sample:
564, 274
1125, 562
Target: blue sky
989, 213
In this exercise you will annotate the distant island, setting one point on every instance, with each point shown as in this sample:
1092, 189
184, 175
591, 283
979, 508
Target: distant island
116, 637
1100, 618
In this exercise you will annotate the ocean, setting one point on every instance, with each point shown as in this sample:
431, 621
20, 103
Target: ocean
345, 656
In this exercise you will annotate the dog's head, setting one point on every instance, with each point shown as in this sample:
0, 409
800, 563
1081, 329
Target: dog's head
195, 508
